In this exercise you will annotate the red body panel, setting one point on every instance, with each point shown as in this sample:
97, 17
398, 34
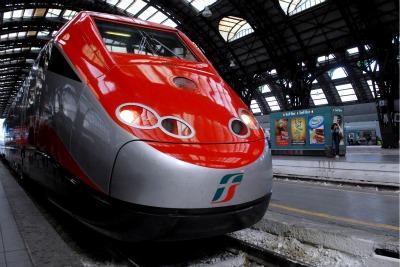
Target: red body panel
117, 78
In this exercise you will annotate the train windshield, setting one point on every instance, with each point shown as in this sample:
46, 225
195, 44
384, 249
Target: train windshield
129, 39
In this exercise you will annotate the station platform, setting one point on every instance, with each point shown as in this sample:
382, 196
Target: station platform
28, 235
13, 251
370, 165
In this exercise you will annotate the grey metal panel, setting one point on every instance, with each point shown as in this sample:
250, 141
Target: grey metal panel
61, 100
144, 175
96, 139
91, 136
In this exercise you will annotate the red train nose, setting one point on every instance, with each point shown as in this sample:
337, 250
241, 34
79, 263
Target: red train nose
159, 101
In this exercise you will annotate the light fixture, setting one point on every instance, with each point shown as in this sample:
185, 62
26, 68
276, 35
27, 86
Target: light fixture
206, 12
118, 34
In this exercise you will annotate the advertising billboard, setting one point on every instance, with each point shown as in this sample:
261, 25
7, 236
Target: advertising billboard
298, 130
316, 130
306, 131
281, 132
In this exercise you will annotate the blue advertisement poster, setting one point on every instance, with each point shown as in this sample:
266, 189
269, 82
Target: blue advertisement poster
316, 130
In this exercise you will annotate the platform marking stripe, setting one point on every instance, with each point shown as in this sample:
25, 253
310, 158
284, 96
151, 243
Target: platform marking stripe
337, 218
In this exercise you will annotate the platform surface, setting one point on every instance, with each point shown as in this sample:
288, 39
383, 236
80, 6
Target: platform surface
362, 164
362, 209
12, 248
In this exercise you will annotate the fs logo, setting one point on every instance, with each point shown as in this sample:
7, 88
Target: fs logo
229, 182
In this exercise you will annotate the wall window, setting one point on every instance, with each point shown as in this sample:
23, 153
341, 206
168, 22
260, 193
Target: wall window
232, 28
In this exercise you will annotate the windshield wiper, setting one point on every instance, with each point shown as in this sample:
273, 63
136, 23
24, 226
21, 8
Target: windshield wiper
166, 47
143, 41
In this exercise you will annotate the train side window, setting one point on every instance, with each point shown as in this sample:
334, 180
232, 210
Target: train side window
59, 64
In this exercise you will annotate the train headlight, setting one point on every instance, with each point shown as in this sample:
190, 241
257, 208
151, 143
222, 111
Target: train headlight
176, 127
138, 116
248, 119
239, 128
143, 117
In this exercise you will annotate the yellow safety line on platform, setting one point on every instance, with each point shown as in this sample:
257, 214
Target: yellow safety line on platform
337, 218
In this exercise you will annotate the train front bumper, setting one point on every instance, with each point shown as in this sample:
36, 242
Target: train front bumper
131, 223
164, 198
145, 176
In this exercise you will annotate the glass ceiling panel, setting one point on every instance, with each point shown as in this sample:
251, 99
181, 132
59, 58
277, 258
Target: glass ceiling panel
53, 13
158, 17
353, 51
255, 108
143, 11
201, 4
69, 14
318, 97
39, 12
28, 13
338, 73
43, 33
346, 92
325, 58
17, 14
273, 103
112, 2
291, 7
264, 89
371, 87
148, 13
232, 28
169, 23
136, 7
7, 15
373, 65
124, 4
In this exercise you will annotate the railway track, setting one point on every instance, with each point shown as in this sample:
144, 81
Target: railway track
260, 255
201, 253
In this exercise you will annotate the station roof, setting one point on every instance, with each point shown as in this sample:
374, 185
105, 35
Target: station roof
253, 44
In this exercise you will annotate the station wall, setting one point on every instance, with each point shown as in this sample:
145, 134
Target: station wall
358, 115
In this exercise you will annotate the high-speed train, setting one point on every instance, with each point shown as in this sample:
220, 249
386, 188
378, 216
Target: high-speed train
129, 128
